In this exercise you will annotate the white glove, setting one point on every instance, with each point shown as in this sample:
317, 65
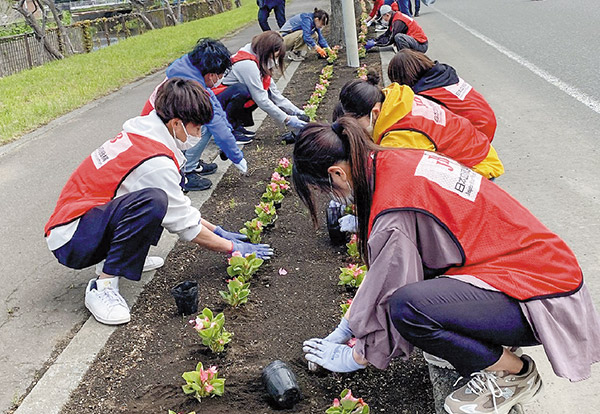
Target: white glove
369, 23
348, 223
242, 166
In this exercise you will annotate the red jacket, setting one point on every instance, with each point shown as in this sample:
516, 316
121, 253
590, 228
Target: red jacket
414, 30
500, 241
97, 179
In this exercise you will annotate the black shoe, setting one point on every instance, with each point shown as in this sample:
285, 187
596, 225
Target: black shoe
204, 168
288, 138
241, 138
194, 182
416, 14
244, 131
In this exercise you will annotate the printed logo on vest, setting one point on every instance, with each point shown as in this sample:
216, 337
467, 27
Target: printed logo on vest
449, 175
428, 109
460, 89
110, 150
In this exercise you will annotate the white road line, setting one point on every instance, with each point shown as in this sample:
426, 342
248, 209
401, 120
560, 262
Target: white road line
585, 99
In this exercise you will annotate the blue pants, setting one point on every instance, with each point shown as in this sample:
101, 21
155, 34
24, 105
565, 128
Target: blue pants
264, 10
459, 322
234, 101
120, 231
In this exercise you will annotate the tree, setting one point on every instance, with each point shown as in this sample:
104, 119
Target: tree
39, 30
140, 8
336, 34
170, 13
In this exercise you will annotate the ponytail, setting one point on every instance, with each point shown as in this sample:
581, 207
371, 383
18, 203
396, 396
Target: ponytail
318, 147
358, 97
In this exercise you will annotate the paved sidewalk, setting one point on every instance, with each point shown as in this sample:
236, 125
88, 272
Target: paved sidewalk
43, 305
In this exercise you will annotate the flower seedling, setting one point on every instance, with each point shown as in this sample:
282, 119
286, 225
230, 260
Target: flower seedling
212, 330
352, 275
311, 111
348, 405
238, 292
284, 185
332, 54
266, 212
272, 193
345, 306
352, 247
284, 167
203, 382
361, 72
243, 267
253, 229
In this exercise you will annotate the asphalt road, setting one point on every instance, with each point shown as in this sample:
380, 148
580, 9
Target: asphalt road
536, 62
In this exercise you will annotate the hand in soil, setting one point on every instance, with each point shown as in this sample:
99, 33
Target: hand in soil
332, 357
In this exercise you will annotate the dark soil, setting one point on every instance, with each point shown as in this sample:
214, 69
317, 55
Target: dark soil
139, 371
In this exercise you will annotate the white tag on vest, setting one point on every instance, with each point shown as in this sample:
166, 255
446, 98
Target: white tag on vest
428, 109
460, 89
110, 150
449, 175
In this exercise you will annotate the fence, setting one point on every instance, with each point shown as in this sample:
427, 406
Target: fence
24, 51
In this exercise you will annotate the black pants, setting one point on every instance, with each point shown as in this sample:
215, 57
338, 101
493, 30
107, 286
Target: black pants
234, 101
120, 231
263, 15
459, 322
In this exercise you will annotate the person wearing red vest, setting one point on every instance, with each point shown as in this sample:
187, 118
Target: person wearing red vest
403, 32
457, 267
253, 67
117, 202
398, 118
440, 83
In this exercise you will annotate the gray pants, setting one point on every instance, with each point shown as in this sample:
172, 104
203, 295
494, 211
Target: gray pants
404, 41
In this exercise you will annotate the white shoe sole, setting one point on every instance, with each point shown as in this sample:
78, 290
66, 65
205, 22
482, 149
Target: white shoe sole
108, 322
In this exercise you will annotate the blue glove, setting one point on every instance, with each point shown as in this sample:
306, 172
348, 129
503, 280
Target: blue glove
370, 43
341, 334
295, 124
332, 357
263, 251
221, 232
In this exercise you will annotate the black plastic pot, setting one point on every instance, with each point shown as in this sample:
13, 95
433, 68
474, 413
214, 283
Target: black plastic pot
186, 297
277, 205
281, 385
288, 138
334, 213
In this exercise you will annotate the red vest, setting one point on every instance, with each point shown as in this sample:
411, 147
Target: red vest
96, 181
451, 134
500, 241
414, 30
465, 101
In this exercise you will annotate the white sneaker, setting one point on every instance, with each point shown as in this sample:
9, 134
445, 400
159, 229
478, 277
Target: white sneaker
151, 263
442, 363
103, 300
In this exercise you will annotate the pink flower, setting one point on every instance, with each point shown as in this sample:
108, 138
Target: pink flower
349, 302
208, 387
282, 271
350, 397
276, 177
236, 254
212, 371
203, 375
284, 162
336, 402
284, 187
274, 187
221, 342
259, 224
353, 239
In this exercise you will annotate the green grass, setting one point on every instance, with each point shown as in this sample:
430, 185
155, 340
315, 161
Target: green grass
34, 97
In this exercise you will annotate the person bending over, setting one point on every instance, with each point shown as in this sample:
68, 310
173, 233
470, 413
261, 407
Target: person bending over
251, 80
206, 65
396, 117
117, 202
264, 9
403, 32
303, 31
440, 83
457, 267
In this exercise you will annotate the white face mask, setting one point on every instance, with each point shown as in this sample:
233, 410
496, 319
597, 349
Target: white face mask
371, 126
271, 64
217, 83
190, 141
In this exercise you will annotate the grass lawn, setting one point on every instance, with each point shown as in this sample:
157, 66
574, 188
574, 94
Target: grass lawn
34, 97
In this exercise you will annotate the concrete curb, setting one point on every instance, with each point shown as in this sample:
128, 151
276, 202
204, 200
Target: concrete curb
54, 388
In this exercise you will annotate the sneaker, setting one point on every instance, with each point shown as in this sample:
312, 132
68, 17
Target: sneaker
103, 300
245, 131
151, 263
241, 138
495, 392
205, 168
195, 182
294, 57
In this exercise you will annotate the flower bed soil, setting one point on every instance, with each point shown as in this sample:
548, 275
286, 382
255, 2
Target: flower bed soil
139, 371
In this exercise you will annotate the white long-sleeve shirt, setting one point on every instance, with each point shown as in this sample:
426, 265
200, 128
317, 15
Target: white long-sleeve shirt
157, 172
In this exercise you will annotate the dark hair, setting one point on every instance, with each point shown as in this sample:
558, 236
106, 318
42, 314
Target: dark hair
184, 99
321, 15
210, 56
358, 97
338, 111
265, 45
321, 145
408, 66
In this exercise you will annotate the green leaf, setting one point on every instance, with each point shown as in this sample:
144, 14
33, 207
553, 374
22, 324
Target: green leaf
207, 313
187, 389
